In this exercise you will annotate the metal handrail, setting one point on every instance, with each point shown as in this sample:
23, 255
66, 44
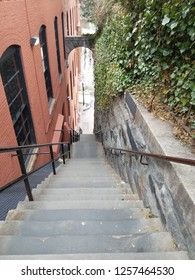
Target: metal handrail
25, 175
17, 148
158, 156
73, 134
100, 132
96, 132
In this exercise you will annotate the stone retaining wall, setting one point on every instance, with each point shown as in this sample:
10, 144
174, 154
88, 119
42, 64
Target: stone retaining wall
168, 189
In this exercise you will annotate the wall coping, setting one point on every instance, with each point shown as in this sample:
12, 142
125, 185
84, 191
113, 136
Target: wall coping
159, 139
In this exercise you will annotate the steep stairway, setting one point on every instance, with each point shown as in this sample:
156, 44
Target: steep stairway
85, 212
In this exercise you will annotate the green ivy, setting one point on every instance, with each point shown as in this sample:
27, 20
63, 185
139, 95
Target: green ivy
149, 44
87, 9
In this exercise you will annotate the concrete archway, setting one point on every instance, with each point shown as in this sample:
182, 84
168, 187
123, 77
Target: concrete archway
72, 42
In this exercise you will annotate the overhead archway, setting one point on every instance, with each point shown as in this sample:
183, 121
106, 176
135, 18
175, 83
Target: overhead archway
72, 42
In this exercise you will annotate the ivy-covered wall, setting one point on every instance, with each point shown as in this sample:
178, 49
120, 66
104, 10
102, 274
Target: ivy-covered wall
148, 46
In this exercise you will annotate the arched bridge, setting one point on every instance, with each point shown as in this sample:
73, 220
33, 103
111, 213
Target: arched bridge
72, 42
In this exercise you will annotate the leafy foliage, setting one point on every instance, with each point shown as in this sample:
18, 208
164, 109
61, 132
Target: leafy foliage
97, 11
87, 9
149, 44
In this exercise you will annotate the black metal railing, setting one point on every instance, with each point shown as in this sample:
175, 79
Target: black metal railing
74, 136
157, 156
99, 136
19, 151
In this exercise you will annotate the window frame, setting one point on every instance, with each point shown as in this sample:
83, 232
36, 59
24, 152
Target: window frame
15, 91
67, 24
63, 34
57, 45
45, 63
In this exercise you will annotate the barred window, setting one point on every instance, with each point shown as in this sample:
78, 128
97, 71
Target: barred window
67, 24
16, 94
63, 34
45, 62
57, 45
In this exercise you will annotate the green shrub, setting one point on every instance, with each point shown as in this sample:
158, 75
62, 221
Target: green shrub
149, 44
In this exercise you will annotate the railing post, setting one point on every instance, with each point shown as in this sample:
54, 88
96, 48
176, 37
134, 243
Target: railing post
63, 154
77, 136
69, 149
52, 158
101, 138
70, 137
23, 169
73, 136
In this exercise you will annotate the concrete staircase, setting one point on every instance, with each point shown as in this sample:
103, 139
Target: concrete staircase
85, 212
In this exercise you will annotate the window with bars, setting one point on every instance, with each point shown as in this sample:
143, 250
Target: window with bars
45, 62
63, 34
67, 24
57, 45
16, 94
71, 22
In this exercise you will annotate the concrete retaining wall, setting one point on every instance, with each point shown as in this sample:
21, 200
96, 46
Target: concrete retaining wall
168, 189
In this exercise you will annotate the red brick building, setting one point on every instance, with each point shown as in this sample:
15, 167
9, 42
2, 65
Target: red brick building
38, 87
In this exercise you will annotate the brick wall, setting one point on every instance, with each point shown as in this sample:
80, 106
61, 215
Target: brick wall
19, 21
72, 8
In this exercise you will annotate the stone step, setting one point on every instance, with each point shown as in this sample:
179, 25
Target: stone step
88, 162
83, 244
82, 227
170, 255
77, 180
87, 175
86, 167
78, 214
84, 184
96, 169
81, 191
81, 204
60, 197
